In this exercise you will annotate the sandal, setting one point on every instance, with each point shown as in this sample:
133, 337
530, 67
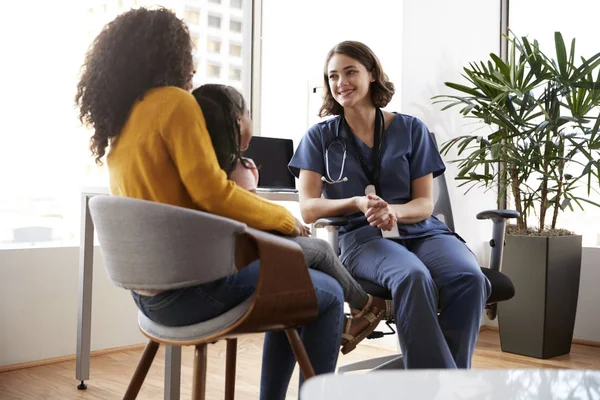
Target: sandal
388, 312
349, 341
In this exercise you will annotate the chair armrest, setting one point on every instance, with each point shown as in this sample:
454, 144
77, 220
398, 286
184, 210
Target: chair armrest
284, 296
332, 224
498, 218
331, 221
492, 214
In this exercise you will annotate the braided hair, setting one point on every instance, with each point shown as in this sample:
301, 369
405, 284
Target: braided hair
222, 107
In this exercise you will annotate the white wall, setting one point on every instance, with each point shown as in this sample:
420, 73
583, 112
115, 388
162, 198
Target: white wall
296, 40
587, 321
38, 306
440, 37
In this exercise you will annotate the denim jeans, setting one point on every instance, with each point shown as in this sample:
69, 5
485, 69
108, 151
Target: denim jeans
321, 338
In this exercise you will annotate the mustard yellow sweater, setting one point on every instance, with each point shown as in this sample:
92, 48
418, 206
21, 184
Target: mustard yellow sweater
164, 154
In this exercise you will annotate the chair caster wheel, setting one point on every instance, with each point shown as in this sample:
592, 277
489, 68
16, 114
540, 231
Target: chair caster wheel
82, 386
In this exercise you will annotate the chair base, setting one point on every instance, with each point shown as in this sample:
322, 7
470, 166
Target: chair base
394, 361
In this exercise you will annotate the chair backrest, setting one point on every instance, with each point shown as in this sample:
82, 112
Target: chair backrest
442, 208
148, 245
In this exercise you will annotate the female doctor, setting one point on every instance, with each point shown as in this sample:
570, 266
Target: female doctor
378, 168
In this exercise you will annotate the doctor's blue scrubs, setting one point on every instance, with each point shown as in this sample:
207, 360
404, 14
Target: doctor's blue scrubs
428, 268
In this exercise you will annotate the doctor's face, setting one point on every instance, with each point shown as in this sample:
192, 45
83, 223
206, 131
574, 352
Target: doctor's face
349, 81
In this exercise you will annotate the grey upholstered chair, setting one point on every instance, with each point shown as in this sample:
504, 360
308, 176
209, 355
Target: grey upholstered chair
502, 286
147, 245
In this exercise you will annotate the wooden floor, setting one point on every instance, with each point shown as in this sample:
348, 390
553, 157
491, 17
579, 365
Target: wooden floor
111, 372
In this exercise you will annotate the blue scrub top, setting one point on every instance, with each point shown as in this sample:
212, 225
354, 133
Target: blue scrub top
408, 152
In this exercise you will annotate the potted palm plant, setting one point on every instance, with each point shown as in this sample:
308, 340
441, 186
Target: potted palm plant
543, 153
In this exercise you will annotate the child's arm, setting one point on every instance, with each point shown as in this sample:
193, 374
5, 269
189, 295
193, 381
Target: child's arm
247, 178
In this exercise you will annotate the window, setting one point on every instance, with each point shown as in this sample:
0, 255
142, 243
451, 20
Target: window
235, 26
552, 16
196, 41
235, 74
191, 17
45, 161
213, 71
215, 1
214, 45
214, 21
236, 4
235, 50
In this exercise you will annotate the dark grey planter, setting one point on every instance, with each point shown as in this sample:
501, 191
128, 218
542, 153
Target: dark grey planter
539, 320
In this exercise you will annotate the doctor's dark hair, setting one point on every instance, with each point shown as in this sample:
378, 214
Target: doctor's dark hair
382, 90
222, 106
140, 49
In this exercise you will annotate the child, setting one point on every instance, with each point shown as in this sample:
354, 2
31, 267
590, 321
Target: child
230, 127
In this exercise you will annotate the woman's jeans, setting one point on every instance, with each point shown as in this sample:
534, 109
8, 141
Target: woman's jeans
321, 338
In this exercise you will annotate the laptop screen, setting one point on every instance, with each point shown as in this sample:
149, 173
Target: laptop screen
271, 156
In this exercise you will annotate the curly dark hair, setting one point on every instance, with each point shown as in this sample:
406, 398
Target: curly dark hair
222, 106
140, 49
382, 90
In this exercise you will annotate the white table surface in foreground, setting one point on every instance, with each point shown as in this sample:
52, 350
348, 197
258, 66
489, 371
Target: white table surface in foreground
501, 384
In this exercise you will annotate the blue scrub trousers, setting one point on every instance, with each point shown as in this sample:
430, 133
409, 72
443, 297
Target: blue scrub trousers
427, 275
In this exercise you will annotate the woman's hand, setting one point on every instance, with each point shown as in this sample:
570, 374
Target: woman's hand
364, 203
381, 217
300, 229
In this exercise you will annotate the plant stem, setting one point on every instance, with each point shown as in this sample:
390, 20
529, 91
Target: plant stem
561, 171
514, 179
544, 191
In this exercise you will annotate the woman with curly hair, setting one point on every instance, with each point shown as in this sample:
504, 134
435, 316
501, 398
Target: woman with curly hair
134, 93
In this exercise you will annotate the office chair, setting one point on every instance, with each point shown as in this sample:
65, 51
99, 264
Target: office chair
502, 286
147, 245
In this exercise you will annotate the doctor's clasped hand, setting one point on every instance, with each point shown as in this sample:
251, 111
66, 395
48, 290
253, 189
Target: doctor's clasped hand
381, 214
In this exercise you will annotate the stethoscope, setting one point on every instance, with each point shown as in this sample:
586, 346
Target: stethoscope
337, 140
340, 141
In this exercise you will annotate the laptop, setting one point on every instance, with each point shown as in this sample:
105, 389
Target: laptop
272, 156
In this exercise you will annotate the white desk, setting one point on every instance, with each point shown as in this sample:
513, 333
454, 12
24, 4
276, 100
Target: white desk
84, 309
529, 384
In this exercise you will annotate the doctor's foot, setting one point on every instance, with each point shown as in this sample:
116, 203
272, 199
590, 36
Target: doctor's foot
363, 322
